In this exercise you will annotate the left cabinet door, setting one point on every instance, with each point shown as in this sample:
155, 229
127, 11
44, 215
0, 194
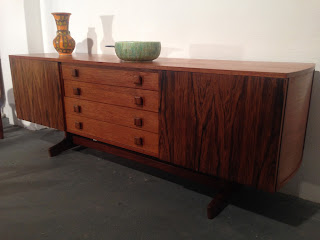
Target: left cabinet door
37, 91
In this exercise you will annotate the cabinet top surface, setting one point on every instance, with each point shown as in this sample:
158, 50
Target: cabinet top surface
249, 68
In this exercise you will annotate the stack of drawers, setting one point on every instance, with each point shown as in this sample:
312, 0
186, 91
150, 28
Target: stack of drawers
119, 107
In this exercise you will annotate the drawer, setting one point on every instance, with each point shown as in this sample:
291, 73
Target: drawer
129, 117
120, 96
125, 137
122, 78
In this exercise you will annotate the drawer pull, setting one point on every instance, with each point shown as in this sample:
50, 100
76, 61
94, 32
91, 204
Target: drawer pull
138, 80
138, 101
76, 91
138, 141
77, 108
138, 122
78, 125
75, 73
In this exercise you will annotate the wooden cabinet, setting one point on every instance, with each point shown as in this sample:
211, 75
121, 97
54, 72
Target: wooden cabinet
240, 122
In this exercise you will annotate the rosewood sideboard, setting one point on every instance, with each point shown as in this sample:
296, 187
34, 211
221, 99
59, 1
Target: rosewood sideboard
220, 123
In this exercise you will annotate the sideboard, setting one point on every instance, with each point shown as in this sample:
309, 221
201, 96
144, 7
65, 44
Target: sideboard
216, 122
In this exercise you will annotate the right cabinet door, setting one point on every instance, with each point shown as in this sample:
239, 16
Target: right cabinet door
223, 125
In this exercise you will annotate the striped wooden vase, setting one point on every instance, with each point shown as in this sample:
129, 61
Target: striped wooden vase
63, 42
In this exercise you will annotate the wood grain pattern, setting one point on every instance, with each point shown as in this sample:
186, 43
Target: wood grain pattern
122, 78
113, 95
37, 92
114, 134
294, 127
223, 125
113, 114
265, 69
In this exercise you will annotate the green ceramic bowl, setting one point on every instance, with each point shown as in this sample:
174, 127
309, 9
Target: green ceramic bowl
137, 51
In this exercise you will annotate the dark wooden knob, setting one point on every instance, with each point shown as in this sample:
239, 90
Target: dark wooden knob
138, 141
138, 80
78, 125
138, 122
76, 91
77, 108
138, 101
75, 73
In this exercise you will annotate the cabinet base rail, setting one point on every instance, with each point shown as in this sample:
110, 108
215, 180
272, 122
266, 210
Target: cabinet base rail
219, 201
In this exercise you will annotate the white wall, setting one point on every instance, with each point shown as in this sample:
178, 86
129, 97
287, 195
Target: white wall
273, 30
20, 33
13, 39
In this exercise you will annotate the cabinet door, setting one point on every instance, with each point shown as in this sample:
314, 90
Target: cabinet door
37, 91
223, 125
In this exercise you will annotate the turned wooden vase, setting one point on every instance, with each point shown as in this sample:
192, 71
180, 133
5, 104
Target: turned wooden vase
63, 42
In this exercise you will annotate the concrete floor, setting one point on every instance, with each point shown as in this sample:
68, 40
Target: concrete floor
86, 194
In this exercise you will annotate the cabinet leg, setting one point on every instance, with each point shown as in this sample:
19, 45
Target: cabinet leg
64, 145
1, 127
220, 201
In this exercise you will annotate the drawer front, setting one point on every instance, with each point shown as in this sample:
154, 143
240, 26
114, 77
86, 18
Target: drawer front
129, 138
120, 96
143, 120
123, 78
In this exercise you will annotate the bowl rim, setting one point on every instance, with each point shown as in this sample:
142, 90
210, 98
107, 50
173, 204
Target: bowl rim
61, 13
137, 42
